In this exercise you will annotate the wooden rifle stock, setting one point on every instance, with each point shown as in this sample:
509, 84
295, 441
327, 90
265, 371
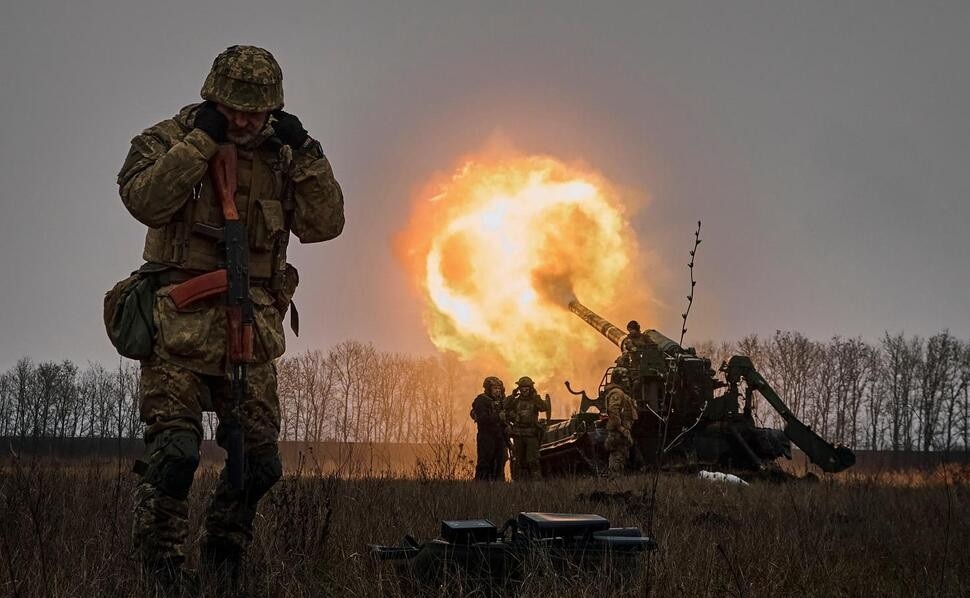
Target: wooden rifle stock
222, 172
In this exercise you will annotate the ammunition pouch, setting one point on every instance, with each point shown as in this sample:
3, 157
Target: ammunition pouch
128, 309
266, 224
270, 341
193, 332
195, 335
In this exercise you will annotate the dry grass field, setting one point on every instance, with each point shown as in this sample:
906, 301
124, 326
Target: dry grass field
64, 531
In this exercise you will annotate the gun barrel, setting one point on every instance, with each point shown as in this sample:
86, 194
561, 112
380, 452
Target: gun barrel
616, 335
666, 344
604, 327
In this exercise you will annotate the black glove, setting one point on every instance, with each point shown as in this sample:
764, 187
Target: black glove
211, 122
290, 130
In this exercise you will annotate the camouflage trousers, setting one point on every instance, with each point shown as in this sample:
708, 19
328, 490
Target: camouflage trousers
525, 456
171, 404
618, 443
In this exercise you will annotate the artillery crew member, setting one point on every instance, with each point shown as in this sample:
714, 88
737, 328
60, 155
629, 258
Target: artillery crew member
492, 440
522, 410
632, 345
621, 412
645, 364
284, 184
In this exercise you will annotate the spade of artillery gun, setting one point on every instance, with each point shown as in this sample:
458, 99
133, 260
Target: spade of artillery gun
679, 412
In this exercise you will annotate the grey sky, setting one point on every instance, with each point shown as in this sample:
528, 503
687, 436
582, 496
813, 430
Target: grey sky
825, 145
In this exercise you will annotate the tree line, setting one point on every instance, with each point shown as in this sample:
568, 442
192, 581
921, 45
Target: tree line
901, 393
350, 393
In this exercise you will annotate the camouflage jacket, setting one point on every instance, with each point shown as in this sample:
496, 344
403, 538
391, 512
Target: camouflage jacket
621, 411
523, 409
639, 352
163, 184
487, 413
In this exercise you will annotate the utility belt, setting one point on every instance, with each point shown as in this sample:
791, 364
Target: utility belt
178, 276
129, 305
191, 287
195, 285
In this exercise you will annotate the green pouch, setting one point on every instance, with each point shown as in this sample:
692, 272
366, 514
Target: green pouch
128, 309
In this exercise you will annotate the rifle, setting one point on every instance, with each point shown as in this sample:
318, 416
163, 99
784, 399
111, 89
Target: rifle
510, 453
509, 449
234, 281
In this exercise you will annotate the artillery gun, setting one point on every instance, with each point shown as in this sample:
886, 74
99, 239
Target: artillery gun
679, 412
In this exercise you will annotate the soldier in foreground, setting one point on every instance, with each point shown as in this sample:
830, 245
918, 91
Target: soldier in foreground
522, 410
283, 184
621, 412
491, 441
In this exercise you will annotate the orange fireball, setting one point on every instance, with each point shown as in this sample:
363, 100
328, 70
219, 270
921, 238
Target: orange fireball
500, 247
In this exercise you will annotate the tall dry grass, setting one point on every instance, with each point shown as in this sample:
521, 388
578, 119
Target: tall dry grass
64, 531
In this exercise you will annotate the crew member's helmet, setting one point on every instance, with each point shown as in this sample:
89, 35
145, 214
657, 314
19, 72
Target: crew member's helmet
245, 78
491, 381
633, 325
525, 381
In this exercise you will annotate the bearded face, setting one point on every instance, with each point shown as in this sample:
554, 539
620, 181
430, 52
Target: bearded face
244, 127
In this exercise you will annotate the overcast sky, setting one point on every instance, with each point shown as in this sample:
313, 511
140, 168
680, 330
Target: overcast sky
825, 145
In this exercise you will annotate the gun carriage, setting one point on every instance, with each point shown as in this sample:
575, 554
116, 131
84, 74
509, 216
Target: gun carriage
686, 410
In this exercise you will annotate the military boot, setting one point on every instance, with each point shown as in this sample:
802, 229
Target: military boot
222, 564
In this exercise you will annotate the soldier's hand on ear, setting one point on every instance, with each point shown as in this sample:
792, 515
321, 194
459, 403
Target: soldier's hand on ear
212, 122
290, 130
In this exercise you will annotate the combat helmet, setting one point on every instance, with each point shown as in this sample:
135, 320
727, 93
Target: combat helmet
491, 381
633, 325
525, 381
245, 78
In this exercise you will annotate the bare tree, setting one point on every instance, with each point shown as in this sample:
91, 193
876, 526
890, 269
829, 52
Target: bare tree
791, 362
849, 364
875, 404
955, 381
935, 381
902, 359
125, 412
6, 403
66, 400
306, 384
350, 362
717, 352
23, 380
